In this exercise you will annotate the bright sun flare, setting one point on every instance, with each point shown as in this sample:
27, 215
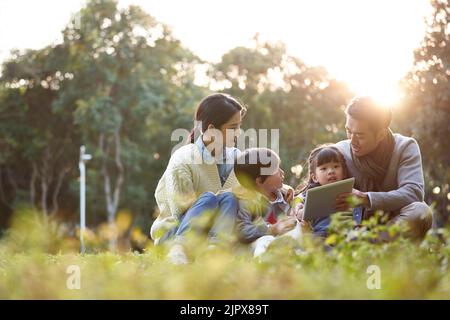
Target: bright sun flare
366, 43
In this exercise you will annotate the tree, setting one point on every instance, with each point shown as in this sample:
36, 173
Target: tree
281, 92
37, 136
119, 83
426, 107
143, 79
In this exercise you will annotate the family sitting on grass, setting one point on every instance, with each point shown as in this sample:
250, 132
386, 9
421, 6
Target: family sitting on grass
241, 195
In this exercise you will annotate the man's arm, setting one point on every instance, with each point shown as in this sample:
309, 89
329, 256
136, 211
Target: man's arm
409, 180
410, 183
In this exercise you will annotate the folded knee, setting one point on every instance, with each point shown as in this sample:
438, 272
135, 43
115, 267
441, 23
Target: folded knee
208, 198
418, 209
419, 215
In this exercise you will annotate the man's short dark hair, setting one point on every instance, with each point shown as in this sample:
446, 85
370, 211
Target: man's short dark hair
367, 109
249, 166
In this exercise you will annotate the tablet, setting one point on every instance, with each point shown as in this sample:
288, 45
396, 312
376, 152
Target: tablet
320, 201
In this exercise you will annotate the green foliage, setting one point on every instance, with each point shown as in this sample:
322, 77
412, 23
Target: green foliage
425, 111
281, 92
117, 71
120, 71
407, 270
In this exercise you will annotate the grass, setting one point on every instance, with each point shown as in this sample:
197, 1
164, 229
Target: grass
35, 257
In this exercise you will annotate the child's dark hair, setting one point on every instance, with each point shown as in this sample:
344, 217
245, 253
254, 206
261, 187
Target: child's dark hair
215, 109
322, 154
249, 166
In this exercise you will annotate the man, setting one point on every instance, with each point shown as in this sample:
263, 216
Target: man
387, 168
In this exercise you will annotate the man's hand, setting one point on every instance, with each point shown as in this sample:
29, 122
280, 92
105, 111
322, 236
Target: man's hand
345, 201
344, 216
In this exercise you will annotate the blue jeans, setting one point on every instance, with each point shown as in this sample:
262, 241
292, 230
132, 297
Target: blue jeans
221, 210
320, 226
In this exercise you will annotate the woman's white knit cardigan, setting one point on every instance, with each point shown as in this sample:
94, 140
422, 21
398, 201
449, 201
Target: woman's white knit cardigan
186, 177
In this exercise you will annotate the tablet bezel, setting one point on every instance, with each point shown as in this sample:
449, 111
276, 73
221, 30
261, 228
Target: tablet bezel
325, 207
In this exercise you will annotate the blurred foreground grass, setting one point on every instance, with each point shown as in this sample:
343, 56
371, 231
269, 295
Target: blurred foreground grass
35, 260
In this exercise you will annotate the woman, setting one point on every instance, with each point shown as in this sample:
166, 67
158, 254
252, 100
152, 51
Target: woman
194, 182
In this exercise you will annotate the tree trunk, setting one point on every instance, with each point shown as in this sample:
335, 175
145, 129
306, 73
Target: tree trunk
11, 180
55, 204
44, 191
112, 199
7, 198
2, 192
45, 182
34, 176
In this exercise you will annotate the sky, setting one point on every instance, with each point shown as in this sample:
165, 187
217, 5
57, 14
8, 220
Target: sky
366, 43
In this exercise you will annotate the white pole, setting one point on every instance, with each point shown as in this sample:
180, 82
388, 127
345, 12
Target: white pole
82, 164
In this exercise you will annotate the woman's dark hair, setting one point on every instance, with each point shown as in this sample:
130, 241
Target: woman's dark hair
248, 166
215, 109
322, 154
